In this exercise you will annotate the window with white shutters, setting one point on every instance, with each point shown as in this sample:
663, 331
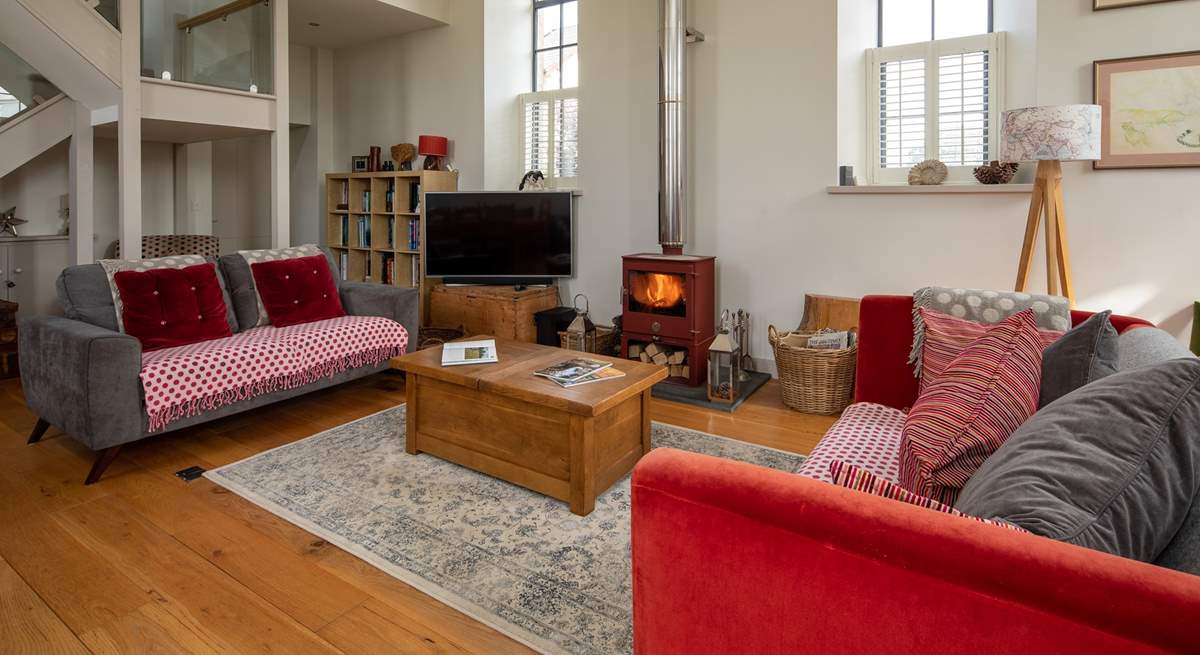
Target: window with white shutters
550, 136
934, 100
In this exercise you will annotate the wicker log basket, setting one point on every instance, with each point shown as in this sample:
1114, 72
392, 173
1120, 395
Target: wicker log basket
813, 381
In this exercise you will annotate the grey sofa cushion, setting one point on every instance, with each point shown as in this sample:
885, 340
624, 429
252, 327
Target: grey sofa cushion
85, 295
1112, 466
1183, 553
1085, 354
236, 272
1144, 346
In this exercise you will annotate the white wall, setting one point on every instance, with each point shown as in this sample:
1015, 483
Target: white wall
37, 187
429, 82
507, 68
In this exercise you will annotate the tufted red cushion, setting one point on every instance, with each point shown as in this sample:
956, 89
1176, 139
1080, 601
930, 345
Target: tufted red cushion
985, 394
296, 291
166, 307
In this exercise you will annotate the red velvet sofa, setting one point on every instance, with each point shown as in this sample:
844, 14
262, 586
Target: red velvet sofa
735, 558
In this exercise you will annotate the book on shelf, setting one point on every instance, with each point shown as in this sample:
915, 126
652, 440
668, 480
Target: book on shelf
414, 235
572, 370
389, 198
344, 203
457, 353
344, 264
414, 197
598, 376
391, 231
366, 201
345, 240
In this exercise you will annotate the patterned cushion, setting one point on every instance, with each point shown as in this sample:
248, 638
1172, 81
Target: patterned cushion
946, 337
853, 477
985, 394
172, 245
867, 435
253, 257
187, 380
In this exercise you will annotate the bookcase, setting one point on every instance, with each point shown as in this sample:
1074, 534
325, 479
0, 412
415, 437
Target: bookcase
374, 224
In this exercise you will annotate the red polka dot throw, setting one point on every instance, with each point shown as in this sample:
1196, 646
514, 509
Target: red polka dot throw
960, 419
187, 380
167, 307
296, 291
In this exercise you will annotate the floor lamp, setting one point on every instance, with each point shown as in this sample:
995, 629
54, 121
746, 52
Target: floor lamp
1050, 136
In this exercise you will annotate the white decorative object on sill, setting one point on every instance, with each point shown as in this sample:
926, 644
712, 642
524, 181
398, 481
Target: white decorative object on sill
253, 88
166, 75
928, 172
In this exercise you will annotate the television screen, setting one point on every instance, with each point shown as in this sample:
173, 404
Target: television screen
498, 235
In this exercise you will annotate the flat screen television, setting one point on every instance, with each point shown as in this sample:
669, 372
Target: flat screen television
498, 237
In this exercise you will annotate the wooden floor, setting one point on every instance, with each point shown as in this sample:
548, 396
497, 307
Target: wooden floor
143, 562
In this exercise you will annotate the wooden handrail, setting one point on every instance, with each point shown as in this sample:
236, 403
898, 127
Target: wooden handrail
219, 12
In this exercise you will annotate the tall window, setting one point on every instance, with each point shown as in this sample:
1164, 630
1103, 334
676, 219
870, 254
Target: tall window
550, 115
935, 87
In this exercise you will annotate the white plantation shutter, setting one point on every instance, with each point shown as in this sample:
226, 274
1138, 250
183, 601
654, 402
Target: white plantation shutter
934, 100
550, 136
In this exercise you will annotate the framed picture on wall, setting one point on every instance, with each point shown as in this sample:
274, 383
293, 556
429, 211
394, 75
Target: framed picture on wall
1151, 109
1097, 5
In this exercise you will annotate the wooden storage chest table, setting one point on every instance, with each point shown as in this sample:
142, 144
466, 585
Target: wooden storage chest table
502, 311
502, 420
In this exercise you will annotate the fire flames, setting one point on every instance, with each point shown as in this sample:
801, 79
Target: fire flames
658, 290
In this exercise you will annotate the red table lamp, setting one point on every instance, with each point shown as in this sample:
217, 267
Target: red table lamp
433, 148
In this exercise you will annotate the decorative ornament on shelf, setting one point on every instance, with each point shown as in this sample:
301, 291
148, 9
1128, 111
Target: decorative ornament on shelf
533, 181
9, 222
374, 163
930, 172
404, 154
434, 149
996, 172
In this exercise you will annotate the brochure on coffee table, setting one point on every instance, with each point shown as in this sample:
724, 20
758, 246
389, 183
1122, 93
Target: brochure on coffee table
599, 376
458, 353
572, 369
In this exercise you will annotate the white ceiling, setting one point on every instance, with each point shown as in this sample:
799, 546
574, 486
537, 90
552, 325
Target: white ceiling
348, 22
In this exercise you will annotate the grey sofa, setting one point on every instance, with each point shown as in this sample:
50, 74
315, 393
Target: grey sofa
81, 375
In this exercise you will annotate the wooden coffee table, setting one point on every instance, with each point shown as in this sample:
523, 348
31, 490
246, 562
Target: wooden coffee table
502, 420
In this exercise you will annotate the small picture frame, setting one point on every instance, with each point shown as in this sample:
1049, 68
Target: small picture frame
359, 164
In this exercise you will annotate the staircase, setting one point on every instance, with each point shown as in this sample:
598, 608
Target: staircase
34, 131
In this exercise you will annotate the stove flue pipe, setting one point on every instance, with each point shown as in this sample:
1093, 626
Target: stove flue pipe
672, 125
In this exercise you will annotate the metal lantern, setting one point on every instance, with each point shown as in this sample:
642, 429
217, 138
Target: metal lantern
724, 366
581, 333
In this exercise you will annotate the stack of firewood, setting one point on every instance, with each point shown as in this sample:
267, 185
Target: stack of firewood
675, 359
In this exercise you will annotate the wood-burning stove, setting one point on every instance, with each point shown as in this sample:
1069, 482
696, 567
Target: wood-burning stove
669, 301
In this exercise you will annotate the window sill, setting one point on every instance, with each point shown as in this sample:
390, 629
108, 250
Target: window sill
1022, 189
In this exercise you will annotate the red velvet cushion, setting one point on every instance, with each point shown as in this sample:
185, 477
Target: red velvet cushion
985, 394
299, 290
167, 307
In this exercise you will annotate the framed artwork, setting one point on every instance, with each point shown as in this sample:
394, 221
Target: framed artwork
1097, 5
359, 164
1151, 111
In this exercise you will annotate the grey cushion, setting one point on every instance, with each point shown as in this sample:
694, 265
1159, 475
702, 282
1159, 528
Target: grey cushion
236, 272
1144, 346
1085, 354
85, 295
1183, 553
1112, 466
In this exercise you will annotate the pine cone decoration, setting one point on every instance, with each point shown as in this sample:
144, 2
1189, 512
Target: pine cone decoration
996, 173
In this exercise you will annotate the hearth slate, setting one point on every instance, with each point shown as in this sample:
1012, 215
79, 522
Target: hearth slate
698, 396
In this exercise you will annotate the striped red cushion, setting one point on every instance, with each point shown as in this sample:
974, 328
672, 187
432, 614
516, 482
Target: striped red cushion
985, 394
946, 337
853, 477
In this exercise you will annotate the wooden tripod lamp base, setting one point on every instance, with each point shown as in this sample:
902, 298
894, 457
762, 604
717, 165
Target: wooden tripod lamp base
1047, 200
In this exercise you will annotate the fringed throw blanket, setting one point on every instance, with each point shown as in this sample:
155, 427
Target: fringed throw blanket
185, 381
986, 307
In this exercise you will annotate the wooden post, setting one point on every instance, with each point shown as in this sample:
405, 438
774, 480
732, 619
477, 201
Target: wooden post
129, 133
83, 198
1047, 199
281, 210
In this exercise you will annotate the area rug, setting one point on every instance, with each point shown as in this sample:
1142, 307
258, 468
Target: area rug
511, 558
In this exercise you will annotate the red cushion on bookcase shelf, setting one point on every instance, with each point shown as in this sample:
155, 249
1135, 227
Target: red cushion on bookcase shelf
985, 394
296, 291
167, 307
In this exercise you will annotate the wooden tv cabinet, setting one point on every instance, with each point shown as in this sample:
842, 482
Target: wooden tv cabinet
500, 311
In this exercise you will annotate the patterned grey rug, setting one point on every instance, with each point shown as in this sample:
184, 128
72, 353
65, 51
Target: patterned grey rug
511, 558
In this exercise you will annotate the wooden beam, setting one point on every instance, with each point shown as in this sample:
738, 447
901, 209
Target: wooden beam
281, 162
215, 14
83, 197
129, 134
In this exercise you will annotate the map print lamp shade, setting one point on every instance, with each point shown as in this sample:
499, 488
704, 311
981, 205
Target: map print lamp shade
1050, 135
1057, 133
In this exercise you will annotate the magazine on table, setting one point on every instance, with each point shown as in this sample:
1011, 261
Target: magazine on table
572, 369
458, 353
599, 376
